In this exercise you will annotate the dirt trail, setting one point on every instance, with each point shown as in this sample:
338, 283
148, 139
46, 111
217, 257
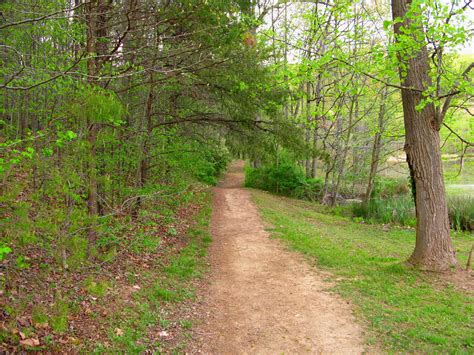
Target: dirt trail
263, 299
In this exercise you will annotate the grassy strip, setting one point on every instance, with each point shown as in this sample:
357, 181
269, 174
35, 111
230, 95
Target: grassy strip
142, 324
406, 310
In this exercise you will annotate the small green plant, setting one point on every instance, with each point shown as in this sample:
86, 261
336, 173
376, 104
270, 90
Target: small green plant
77, 251
164, 294
145, 242
184, 266
4, 250
21, 262
164, 323
186, 324
96, 288
39, 315
59, 321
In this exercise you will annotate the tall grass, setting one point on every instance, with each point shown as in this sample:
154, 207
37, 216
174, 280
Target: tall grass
399, 209
461, 212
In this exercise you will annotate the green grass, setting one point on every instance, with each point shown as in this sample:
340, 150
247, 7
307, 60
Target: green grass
59, 321
405, 310
97, 288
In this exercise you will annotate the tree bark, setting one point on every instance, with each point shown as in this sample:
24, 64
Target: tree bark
433, 250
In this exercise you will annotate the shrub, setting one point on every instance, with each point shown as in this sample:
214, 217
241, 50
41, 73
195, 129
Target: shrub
461, 212
256, 178
210, 166
311, 190
388, 187
286, 179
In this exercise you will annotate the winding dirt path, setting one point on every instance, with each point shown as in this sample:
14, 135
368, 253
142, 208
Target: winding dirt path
263, 299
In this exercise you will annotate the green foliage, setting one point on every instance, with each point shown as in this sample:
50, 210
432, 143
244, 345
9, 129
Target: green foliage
97, 105
145, 242
167, 284
389, 187
310, 190
286, 179
211, 165
164, 294
184, 266
283, 178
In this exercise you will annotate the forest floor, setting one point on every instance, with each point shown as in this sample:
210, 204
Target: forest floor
262, 298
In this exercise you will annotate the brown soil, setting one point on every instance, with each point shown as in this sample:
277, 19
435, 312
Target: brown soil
262, 298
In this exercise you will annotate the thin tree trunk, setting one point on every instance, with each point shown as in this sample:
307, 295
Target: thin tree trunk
340, 171
377, 145
145, 129
92, 126
314, 160
308, 127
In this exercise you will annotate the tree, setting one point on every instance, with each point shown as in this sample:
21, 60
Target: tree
433, 250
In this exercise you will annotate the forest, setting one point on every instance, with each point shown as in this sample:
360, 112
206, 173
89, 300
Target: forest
158, 157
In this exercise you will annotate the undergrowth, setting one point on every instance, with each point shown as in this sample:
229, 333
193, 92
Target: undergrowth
119, 298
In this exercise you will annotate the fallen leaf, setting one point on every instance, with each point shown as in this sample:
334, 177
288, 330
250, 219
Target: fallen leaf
163, 333
118, 332
22, 335
74, 340
23, 321
30, 342
41, 325
136, 287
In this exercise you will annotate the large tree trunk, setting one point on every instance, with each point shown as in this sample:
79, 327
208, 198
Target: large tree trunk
433, 249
